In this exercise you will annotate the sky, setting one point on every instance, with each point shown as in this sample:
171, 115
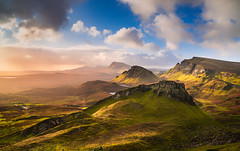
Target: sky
64, 34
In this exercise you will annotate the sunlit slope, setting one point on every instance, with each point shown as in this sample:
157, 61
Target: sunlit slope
165, 101
215, 83
135, 76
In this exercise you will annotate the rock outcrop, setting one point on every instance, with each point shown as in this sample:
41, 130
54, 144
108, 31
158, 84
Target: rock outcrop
52, 122
169, 88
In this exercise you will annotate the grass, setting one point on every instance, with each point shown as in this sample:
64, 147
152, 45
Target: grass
142, 121
226, 147
147, 107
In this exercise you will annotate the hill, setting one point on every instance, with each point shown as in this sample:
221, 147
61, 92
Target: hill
84, 95
215, 84
92, 91
160, 116
135, 76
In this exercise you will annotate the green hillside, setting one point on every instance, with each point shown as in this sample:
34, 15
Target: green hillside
160, 116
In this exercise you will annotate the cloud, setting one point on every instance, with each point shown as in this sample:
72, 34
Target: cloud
222, 28
37, 19
147, 8
159, 16
37, 13
130, 38
10, 24
162, 59
34, 33
106, 32
93, 31
45, 58
170, 28
79, 27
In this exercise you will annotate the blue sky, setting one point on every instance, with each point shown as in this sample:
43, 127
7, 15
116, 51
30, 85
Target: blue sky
154, 33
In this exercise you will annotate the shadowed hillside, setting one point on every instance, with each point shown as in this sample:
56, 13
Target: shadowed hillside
83, 95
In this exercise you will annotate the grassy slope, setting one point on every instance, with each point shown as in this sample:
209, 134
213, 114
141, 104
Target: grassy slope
142, 121
128, 122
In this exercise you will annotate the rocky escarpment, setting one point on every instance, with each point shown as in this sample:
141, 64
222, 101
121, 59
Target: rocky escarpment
52, 122
169, 88
198, 65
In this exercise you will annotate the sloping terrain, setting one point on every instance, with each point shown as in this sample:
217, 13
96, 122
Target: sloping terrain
135, 76
159, 116
215, 84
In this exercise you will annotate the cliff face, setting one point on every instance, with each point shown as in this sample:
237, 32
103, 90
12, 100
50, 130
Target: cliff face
168, 88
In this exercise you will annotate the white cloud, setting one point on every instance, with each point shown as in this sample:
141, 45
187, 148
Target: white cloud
106, 32
79, 27
130, 38
36, 34
93, 31
222, 31
170, 28
146, 8
10, 25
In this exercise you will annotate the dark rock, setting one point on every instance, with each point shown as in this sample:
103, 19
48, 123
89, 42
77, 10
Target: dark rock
52, 122
168, 88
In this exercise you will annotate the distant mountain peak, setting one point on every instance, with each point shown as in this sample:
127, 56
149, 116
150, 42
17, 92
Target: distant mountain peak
118, 65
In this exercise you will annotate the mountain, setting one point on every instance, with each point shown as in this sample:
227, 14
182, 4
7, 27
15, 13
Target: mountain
215, 84
135, 76
119, 67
